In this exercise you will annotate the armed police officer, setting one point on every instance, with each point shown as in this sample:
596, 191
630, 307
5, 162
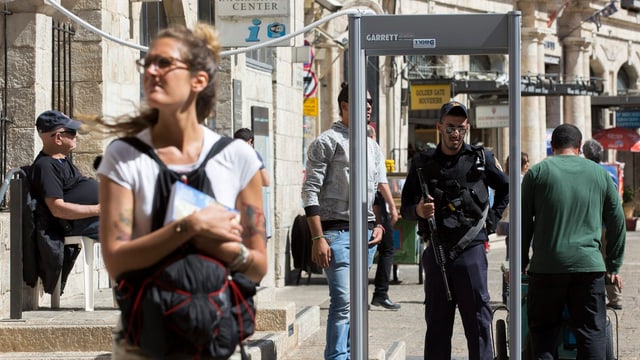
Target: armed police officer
457, 176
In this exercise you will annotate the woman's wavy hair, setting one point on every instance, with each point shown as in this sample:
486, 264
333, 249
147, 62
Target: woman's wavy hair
200, 50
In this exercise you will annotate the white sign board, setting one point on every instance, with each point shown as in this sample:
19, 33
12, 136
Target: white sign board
250, 22
492, 116
252, 8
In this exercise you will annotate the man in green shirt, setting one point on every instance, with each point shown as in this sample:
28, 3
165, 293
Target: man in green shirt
565, 200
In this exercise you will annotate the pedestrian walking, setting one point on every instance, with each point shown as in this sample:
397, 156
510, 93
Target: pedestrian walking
593, 151
565, 200
325, 194
387, 215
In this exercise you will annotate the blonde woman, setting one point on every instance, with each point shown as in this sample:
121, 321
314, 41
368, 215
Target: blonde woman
179, 90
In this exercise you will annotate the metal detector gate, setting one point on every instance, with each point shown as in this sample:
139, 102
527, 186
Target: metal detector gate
382, 35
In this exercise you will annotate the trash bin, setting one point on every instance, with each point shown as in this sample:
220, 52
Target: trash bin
407, 247
406, 242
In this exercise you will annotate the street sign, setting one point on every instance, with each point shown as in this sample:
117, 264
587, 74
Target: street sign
310, 107
628, 119
310, 83
492, 116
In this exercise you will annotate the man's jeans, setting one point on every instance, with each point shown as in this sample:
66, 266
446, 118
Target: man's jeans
338, 274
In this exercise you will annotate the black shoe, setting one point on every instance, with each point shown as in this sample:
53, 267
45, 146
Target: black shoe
614, 306
385, 303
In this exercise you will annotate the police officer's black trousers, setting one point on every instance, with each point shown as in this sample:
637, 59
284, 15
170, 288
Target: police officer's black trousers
467, 276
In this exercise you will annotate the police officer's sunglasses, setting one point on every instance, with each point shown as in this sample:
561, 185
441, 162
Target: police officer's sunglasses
451, 129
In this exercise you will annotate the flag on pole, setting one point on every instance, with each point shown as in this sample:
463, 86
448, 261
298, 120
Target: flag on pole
557, 13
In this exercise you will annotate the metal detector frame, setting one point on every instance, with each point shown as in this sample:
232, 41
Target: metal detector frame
382, 35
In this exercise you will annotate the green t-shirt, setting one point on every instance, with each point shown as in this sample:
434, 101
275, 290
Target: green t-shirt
566, 200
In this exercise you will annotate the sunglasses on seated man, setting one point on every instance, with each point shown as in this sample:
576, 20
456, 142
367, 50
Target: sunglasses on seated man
70, 132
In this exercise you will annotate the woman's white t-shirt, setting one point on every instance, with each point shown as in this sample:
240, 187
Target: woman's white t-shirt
229, 172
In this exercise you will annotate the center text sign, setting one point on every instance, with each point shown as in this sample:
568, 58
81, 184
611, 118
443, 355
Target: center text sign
250, 22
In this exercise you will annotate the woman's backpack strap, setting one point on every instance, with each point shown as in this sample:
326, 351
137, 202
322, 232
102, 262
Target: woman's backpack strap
149, 151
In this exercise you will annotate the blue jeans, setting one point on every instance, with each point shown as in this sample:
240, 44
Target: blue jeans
338, 273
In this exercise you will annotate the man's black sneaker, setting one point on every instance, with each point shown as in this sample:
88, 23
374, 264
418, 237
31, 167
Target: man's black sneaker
385, 303
614, 306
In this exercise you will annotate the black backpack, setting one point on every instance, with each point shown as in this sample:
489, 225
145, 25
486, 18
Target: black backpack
187, 305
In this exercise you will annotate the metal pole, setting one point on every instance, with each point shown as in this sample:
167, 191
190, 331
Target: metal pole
17, 207
515, 213
358, 193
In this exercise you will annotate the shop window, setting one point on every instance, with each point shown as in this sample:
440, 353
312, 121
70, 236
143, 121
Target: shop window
262, 59
479, 63
425, 67
623, 81
206, 11
153, 18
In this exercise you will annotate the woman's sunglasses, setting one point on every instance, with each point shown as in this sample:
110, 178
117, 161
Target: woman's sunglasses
161, 63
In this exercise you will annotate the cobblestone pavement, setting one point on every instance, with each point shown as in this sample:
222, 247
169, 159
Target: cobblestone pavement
408, 325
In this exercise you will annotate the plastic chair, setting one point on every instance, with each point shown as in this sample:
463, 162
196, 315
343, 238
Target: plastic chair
86, 243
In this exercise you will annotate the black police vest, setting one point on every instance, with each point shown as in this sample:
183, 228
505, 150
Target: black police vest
459, 191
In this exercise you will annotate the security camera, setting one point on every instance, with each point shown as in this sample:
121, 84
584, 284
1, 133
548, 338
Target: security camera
342, 38
331, 5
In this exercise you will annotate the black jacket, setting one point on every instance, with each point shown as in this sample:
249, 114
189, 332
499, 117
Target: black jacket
493, 177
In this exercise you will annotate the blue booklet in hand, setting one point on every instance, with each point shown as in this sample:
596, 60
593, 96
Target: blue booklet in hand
185, 199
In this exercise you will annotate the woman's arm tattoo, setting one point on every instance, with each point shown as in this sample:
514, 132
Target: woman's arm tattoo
255, 223
123, 226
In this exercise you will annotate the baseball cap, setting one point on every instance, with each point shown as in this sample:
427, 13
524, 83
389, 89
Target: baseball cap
53, 119
453, 108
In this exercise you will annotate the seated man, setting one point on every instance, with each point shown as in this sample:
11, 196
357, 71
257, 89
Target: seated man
67, 202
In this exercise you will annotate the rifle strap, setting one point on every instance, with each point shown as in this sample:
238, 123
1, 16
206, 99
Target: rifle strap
469, 236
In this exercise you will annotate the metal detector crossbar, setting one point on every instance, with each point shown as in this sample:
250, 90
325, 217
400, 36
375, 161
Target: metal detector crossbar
389, 35
434, 35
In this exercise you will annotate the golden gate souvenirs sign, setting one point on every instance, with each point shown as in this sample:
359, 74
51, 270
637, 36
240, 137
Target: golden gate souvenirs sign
429, 96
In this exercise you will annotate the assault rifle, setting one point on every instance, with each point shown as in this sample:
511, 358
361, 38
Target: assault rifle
438, 249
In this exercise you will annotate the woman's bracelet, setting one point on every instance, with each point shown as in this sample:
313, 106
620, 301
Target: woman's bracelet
241, 259
380, 226
317, 237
